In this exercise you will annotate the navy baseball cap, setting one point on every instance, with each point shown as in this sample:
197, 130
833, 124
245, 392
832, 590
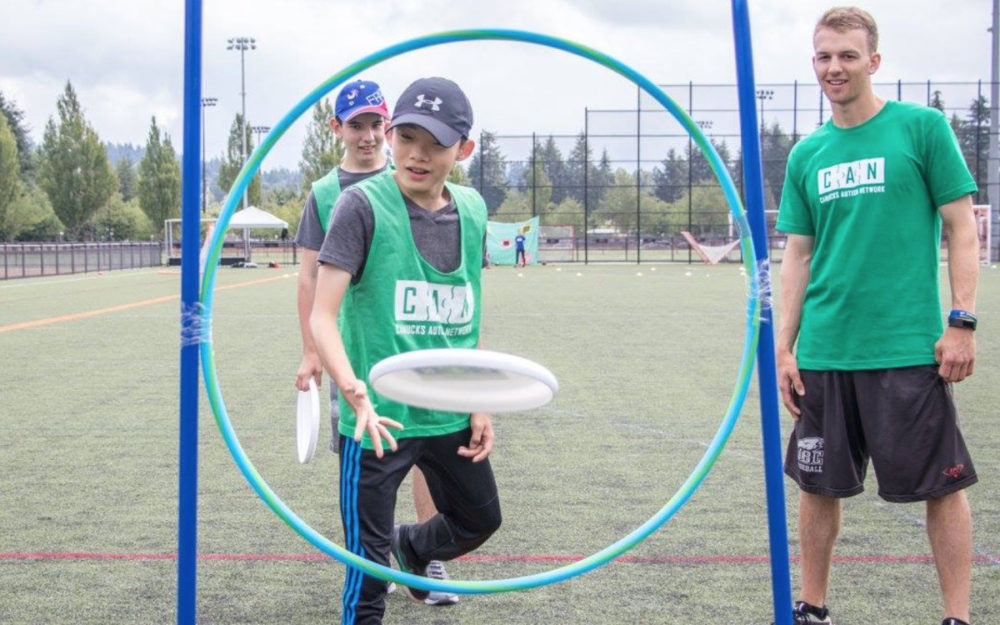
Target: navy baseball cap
360, 96
438, 106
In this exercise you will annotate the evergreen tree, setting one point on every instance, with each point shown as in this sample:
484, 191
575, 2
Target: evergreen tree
701, 170
322, 150
937, 101
578, 169
159, 178
537, 188
15, 122
128, 182
10, 174
775, 147
599, 182
488, 171
551, 161
232, 161
974, 138
74, 169
670, 179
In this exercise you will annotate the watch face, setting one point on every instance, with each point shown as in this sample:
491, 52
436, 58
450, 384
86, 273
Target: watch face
963, 320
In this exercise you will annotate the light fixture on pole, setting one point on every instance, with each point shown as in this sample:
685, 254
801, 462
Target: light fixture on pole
260, 130
243, 44
763, 94
205, 103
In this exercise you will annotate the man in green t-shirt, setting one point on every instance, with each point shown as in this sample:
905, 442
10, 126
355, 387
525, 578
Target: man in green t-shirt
401, 266
865, 364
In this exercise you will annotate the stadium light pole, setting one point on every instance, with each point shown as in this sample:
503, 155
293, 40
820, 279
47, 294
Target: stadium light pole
763, 94
205, 103
260, 130
243, 44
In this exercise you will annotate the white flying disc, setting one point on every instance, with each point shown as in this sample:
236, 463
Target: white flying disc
464, 380
307, 422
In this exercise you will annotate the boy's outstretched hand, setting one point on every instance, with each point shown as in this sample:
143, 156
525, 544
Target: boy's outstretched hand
481, 442
370, 422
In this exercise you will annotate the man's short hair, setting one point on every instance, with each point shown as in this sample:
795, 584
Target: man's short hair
842, 19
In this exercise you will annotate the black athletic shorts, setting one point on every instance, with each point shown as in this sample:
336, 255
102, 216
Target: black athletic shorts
903, 419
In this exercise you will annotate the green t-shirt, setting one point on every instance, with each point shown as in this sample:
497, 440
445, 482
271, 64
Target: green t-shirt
869, 196
402, 303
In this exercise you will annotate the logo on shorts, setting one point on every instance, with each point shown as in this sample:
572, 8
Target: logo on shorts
955, 471
811, 454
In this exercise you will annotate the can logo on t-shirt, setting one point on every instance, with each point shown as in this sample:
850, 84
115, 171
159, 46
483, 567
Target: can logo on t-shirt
811, 454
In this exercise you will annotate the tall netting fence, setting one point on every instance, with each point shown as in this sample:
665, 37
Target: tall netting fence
631, 182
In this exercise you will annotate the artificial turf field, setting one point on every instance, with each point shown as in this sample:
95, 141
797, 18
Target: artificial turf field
647, 364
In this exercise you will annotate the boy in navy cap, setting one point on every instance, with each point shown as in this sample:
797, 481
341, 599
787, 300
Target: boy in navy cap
402, 265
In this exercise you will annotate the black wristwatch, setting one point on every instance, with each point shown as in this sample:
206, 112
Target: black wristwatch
962, 319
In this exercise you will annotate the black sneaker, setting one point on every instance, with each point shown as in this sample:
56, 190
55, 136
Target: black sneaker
407, 567
807, 614
953, 621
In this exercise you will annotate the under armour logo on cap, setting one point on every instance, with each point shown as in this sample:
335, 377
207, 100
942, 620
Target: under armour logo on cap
438, 106
422, 100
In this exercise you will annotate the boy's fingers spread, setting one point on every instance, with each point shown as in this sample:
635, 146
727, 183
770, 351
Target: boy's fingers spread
392, 423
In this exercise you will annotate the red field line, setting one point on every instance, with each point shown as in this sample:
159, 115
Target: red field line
24, 325
309, 557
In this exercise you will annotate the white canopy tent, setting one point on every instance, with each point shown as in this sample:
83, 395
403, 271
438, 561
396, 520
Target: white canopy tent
253, 217
245, 220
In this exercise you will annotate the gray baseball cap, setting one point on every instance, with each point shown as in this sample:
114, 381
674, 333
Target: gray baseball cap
438, 106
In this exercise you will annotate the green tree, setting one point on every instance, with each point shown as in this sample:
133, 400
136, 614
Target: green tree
10, 172
128, 182
775, 147
232, 161
937, 101
974, 138
488, 171
537, 187
159, 178
569, 212
670, 178
515, 207
457, 175
30, 217
584, 180
74, 169
122, 221
15, 121
322, 150
701, 170
551, 160
599, 183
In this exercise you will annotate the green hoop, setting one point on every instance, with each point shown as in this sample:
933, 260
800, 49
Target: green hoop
610, 552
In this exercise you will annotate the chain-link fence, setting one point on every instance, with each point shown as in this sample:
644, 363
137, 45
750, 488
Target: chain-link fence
632, 180
26, 260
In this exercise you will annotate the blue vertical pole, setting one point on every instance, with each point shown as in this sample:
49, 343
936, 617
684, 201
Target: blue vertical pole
187, 498
766, 371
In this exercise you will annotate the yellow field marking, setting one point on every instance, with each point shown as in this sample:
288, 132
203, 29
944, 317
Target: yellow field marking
24, 325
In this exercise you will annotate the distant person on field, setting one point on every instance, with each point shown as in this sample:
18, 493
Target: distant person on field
866, 362
361, 115
520, 259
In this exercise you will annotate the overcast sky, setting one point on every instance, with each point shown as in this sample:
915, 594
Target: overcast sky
125, 59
